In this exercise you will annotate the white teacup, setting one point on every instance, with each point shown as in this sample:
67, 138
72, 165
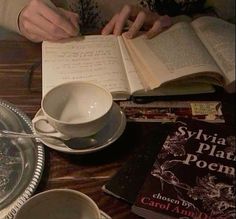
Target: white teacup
74, 109
60, 204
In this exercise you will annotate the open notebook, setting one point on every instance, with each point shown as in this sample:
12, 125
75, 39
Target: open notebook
188, 58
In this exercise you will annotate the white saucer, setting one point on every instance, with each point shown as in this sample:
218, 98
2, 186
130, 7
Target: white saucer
107, 135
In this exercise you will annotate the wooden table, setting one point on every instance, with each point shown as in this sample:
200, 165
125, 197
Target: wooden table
20, 84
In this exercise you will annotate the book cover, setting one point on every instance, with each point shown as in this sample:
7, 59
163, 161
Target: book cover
169, 111
126, 183
193, 176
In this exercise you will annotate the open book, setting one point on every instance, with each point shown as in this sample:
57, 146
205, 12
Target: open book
188, 58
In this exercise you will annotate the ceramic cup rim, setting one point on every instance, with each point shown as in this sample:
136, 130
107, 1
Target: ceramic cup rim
77, 82
41, 194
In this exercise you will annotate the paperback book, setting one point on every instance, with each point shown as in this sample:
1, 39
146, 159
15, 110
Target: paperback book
193, 175
127, 182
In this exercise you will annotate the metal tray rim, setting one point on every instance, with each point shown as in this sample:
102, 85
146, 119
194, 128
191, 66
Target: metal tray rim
29, 190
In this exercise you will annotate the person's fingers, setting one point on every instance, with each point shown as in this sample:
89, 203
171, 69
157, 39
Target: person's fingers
34, 38
36, 34
37, 21
166, 21
40, 28
122, 18
110, 25
141, 17
128, 13
73, 17
158, 26
151, 18
137, 25
57, 19
47, 27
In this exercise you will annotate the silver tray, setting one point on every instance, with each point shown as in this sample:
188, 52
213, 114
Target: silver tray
21, 161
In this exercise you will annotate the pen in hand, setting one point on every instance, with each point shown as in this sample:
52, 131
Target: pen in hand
40, 21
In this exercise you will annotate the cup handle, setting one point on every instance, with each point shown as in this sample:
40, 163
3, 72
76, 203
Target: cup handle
52, 132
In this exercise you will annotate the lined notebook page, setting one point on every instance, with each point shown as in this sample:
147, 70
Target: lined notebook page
94, 58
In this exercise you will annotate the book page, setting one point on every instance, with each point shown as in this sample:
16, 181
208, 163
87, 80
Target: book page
131, 72
174, 53
94, 58
219, 38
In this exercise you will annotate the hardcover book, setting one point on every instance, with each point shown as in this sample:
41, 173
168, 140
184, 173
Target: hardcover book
188, 58
193, 176
169, 111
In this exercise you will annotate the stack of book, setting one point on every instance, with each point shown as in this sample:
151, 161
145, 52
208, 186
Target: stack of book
188, 173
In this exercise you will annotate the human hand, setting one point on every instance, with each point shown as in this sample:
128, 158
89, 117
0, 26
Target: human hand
141, 18
38, 22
